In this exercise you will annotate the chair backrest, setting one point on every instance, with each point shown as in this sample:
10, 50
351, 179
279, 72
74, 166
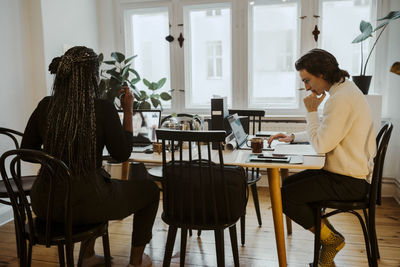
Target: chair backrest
382, 141
13, 134
198, 192
56, 171
254, 118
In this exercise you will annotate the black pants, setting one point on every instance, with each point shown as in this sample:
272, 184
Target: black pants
301, 189
111, 200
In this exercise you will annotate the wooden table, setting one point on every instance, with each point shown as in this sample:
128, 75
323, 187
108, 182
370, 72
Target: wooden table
239, 157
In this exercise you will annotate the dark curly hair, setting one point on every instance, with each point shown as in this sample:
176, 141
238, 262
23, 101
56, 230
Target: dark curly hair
71, 122
321, 62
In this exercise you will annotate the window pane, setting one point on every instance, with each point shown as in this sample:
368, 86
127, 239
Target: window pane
337, 34
153, 59
273, 46
205, 37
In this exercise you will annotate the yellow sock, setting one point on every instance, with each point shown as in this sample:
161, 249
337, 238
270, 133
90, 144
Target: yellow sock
332, 243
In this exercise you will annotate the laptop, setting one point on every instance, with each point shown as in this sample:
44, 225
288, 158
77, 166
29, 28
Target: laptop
240, 135
144, 124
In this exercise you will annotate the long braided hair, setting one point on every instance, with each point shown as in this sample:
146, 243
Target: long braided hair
71, 125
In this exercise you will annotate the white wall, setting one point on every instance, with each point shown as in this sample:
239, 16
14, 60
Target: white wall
391, 97
66, 24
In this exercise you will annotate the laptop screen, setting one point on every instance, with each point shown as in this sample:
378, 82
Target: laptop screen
237, 128
144, 125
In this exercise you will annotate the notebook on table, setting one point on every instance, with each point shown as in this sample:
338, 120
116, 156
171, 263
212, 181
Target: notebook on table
144, 124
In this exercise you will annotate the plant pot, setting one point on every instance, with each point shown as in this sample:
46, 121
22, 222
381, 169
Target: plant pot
362, 83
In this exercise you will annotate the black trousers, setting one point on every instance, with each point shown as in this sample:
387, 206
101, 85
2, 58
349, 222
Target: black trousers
111, 200
301, 189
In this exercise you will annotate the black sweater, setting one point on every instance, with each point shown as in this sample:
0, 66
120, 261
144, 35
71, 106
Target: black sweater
109, 131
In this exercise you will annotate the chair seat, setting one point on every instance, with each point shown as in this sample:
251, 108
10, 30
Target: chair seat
344, 205
27, 182
79, 232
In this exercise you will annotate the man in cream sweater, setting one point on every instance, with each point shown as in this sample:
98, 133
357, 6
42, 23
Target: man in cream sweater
345, 134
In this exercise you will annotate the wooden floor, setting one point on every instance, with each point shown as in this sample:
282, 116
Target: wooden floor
259, 250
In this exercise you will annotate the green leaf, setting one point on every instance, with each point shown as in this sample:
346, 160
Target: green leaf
165, 96
146, 82
153, 86
109, 62
156, 96
155, 102
100, 58
143, 95
125, 71
392, 15
135, 81
366, 30
161, 82
135, 73
145, 105
119, 57
129, 59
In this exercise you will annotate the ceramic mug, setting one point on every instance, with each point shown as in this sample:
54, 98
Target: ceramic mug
256, 144
157, 147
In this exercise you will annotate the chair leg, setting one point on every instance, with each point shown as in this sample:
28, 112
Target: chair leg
256, 202
368, 247
317, 237
61, 256
106, 249
69, 253
372, 230
242, 229
169, 246
219, 245
234, 244
198, 233
190, 232
29, 260
183, 246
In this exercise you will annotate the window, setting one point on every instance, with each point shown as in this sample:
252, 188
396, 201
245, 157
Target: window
273, 48
208, 53
153, 58
214, 60
337, 35
244, 50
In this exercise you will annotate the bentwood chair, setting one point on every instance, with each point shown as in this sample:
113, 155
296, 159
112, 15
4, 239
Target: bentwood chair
14, 136
251, 126
198, 193
367, 205
47, 232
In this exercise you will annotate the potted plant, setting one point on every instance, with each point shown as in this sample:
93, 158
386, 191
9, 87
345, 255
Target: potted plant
112, 79
363, 81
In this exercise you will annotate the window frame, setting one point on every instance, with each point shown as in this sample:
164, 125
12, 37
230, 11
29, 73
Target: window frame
240, 51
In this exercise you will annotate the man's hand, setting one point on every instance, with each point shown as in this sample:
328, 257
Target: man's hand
281, 138
312, 101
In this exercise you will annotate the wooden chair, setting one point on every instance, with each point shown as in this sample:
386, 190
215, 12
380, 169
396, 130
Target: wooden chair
199, 194
251, 127
367, 205
26, 181
46, 232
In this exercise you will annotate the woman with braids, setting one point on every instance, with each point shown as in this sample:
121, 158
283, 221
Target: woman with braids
345, 134
74, 125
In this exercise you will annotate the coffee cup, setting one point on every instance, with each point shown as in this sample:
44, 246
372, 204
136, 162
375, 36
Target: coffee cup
157, 147
256, 144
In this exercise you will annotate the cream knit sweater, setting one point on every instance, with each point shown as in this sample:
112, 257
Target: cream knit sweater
346, 133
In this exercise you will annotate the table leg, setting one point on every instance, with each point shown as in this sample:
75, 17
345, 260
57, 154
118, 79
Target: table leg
276, 202
284, 175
